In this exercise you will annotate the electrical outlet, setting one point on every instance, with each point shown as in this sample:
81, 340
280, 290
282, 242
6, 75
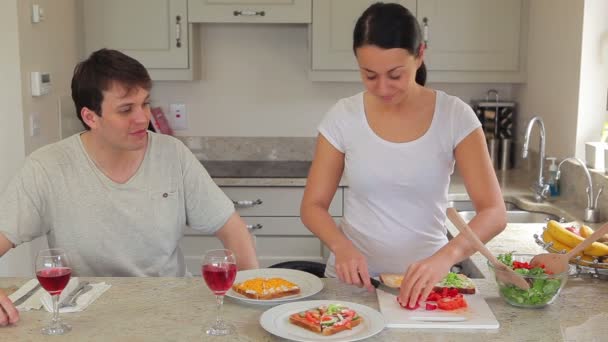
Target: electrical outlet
177, 116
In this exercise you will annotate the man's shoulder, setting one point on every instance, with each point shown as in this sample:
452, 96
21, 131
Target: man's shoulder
64, 151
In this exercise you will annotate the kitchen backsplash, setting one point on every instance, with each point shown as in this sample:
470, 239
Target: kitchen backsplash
251, 148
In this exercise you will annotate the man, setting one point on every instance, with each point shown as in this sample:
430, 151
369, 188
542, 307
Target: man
116, 197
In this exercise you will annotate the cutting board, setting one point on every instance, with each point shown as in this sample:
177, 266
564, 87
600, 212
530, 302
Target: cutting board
477, 316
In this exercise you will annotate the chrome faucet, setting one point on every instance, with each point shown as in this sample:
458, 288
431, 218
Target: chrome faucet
592, 212
541, 189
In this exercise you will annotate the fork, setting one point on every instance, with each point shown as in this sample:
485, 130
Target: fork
72, 301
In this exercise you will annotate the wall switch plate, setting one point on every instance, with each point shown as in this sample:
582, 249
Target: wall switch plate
37, 13
34, 124
177, 116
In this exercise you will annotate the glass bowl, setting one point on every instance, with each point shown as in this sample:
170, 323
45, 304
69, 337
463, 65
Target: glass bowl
544, 289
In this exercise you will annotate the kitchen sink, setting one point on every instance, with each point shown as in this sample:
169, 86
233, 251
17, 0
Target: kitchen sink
514, 213
466, 267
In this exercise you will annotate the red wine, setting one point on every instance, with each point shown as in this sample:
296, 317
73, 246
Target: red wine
219, 278
54, 279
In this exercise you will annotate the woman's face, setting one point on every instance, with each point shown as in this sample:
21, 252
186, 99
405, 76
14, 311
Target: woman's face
387, 73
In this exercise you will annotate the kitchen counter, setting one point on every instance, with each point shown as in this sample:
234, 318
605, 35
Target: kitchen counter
178, 309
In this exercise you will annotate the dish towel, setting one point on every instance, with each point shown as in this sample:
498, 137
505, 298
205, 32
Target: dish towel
82, 302
32, 303
42, 299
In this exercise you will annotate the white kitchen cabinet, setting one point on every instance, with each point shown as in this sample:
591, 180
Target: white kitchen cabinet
249, 11
472, 35
332, 32
469, 40
155, 32
279, 233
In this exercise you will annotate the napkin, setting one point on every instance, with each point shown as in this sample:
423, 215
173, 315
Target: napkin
32, 303
82, 302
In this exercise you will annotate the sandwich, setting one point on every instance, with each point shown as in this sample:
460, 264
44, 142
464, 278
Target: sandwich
460, 282
266, 288
327, 320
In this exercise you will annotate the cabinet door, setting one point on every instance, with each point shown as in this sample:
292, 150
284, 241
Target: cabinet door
472, 35
249, 11
155, 32
332, 31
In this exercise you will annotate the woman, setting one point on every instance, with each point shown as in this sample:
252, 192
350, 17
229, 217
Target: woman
396, 143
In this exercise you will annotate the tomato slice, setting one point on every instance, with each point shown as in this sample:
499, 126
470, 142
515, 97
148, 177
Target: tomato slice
311, 318
431, 307
433, 297
416, 306
452, 303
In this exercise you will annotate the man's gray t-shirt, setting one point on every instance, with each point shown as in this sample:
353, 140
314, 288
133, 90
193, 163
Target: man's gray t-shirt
112, 229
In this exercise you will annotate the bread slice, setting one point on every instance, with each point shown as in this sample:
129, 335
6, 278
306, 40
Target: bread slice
266, 288
466, 285
304, 323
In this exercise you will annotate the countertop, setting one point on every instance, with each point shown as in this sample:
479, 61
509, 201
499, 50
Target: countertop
177, 309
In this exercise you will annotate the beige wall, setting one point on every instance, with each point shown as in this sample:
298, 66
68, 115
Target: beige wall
50, 45
12, 148
256, 84
554, 59
592, 111
47, 46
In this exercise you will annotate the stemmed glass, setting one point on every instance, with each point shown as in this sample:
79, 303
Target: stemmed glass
219, 271
53, 272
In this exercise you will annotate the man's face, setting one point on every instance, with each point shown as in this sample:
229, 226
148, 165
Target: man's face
124, 120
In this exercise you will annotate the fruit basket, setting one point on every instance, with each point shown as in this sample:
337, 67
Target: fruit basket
596, 267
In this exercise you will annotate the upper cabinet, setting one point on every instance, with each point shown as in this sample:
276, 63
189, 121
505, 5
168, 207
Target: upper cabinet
155, 32
471, 35
249, 11
468, 40
332, 32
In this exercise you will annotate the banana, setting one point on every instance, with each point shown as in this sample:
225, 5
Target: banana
570, 239
558, 246
585, 231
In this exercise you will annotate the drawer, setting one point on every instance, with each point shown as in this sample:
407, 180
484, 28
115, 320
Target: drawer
281, 226
275, 201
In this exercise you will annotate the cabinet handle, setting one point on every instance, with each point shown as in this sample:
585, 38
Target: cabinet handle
249, 13
256, 226
247, 203
425, 31
178, 31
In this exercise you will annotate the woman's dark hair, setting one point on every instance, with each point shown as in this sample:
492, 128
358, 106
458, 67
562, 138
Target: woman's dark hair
389, 26
97, 74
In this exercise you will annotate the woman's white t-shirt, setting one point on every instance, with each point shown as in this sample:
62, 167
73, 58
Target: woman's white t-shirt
394, 210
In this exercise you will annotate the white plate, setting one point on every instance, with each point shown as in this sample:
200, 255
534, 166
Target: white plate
309, 284
276, 322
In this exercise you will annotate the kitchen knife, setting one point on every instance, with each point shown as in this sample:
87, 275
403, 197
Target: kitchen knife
381, 286
72, 294
25, 297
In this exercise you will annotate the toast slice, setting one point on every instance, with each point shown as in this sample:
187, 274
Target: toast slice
327, 320
460, 282
266, 288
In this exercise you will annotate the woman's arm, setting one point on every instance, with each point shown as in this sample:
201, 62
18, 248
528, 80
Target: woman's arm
474, 165
323, 179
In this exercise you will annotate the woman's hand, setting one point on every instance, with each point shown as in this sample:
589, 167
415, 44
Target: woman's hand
8, 312
421, 277
351, 266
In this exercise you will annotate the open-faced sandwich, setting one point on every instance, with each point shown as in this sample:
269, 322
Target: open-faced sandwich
460, 282
327, 320
266, 288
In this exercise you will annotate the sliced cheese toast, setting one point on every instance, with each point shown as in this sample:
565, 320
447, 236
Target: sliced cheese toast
458, 281
266, 288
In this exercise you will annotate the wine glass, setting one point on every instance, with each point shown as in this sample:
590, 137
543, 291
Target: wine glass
53, 272
219, 271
